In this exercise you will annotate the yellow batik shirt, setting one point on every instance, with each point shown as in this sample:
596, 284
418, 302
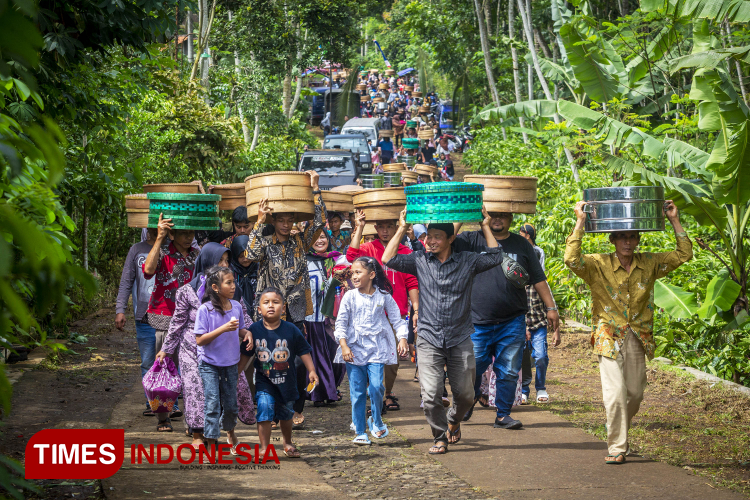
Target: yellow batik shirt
623, 301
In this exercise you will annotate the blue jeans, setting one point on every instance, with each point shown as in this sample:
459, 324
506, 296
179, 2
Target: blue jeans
358, 376
538, 347
505, 342
220, 392
145, 335
269, 409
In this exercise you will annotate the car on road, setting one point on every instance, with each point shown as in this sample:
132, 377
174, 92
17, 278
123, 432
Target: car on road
336, 167
356, 143
370, 127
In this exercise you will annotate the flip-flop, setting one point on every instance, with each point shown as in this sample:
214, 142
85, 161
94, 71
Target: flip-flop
233, 449
148, 412
362, 440
293, 453
452, 434
298, 426
443, 447
480, 400
374, 430
614, 458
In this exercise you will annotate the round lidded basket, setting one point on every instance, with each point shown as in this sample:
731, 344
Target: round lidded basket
425, 135
424, 110
338, 201
287, 192
186, 188
626, 208
232, 195
427, 170
410, 143
507, 193
416, 94
394, 167
381, 204
187, 211
375, 71
361, 86
138, 201
347, 188
383, 86
411, 124
364, 98
408, 177
385, 133
444, 202
409, 88
372, 181
378, 99
390, 72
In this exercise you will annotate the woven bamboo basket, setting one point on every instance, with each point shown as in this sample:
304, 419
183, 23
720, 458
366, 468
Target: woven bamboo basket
361, 86
385, 133
394, 167
369, 230
507, 193
444, 202
423, 110
232, 195
390, 72
383, 86
338, 201
423, 169
364, 98
374, 71
416, 94
287, 192
188, 211
409, 88
378, 99
410, 143
185, 188
137, 217
347, 188
409, 176
411, 124
136, 201
425, 134
380, 198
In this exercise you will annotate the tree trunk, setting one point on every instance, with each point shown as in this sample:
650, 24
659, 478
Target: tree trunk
542, 44
245, 128
190, 37
85, 227
530, 42
298, 90
205, 20
286, 91
487, 17
497, 16
514, 56
543, 81
256, 133
486, 51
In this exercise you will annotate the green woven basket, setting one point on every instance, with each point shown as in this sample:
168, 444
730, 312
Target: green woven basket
411, 124
187, 211
444, 202
410, 143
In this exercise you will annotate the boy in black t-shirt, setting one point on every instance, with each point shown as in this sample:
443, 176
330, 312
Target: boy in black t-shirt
277, 344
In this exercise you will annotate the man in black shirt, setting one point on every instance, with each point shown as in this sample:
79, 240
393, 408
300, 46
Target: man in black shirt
444, 328
498, 311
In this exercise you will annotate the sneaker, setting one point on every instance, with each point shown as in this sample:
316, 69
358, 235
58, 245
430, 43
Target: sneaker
507, 422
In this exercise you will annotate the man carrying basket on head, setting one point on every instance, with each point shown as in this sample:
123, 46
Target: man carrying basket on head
282, 264
622, 289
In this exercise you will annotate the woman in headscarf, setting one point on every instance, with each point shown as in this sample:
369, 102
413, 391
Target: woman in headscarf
245, 272
188, 299
320, 263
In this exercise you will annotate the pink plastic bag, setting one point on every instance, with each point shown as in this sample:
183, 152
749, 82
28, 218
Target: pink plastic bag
162, 384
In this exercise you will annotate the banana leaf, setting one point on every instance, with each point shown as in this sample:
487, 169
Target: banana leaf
674, 300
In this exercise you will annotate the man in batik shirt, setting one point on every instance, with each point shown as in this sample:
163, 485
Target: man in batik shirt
622, 290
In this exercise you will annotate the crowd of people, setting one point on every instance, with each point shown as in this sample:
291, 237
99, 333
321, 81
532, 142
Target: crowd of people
263, 318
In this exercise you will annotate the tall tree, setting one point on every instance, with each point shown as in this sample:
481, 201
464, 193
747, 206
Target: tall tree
486, 50
514, 57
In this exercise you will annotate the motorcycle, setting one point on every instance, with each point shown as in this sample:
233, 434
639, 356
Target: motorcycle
464, 138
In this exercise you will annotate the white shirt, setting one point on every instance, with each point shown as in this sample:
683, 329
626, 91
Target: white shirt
363, 323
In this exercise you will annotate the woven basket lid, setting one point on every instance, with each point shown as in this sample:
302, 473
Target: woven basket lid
184, 196
411, 123
443, 187
444, 202
410, 143
188, 223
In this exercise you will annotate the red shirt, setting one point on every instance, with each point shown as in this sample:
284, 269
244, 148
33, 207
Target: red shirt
401, 282
172, 271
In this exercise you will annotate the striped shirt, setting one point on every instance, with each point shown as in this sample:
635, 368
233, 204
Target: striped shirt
445, 291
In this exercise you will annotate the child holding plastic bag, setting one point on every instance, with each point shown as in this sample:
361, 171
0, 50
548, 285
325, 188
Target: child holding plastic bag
219, 324
366, 342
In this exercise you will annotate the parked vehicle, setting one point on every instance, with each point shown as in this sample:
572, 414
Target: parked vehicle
464, 138
336, 167
370, 127
356, 143
317, 105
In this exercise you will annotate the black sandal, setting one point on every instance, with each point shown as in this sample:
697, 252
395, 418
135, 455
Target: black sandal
443, 447
393, 405
165, 426
453, 434
148, 412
